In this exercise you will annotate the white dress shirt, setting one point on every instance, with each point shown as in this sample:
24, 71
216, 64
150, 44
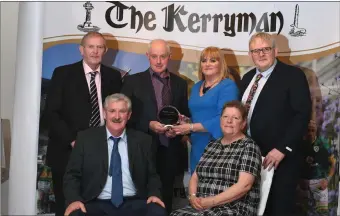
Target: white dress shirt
98, 82
261, 83
128, 185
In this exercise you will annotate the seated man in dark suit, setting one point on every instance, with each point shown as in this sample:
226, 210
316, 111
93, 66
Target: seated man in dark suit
111, 170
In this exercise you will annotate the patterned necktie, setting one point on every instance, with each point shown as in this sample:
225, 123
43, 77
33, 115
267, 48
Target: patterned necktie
115, 172
166, 90
95, 114
166, 100
252, 92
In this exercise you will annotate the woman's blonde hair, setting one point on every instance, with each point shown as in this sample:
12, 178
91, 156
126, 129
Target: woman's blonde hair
214, 52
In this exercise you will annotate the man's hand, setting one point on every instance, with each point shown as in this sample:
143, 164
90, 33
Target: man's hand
75, 206
72, 143
170, 133
157, 127
155, 199
273, 159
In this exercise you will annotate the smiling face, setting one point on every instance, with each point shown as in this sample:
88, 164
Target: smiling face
93, 51
232, 123
211, 66
262, 53
116, 114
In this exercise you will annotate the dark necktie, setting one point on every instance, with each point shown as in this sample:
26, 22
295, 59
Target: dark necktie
166, 90
252, 91
95, 114
115, 172
166, 100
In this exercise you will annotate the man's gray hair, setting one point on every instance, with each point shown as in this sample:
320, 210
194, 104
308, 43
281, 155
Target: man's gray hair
118, 97
264, 36
160, 40
91, 34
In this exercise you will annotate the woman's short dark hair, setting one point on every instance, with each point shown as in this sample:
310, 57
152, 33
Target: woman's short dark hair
238, 105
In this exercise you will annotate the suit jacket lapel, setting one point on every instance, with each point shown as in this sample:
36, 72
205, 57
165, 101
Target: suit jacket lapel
265, 90
80, 81
103, 148
150, 91
131, 146
174, 88
103, 79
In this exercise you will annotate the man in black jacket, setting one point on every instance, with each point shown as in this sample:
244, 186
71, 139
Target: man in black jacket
150, 91
74, 103
279, 107
111, 170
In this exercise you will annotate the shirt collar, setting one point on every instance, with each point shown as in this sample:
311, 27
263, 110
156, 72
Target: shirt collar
167, 74
267, 72
87, 68
122, 136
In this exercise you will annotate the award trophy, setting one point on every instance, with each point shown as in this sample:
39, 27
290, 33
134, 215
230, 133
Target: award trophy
169, 116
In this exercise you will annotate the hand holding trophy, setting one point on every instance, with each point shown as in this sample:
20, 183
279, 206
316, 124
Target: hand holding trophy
169, 116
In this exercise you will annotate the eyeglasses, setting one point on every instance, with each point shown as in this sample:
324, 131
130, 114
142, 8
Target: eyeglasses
265, 50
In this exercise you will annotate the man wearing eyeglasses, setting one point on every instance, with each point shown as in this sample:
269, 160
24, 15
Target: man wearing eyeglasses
278, 101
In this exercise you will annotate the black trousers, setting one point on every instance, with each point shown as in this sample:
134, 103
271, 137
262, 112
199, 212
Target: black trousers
57, 179
131, 207
168, 166
282, 195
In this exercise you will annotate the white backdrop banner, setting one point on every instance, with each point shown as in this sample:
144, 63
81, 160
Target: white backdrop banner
310, 26
307, 33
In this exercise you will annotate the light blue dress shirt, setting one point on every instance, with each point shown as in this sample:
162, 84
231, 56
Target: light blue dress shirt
128, 185
261, 83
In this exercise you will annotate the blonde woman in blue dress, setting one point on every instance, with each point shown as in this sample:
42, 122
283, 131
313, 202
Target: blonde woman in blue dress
215, 88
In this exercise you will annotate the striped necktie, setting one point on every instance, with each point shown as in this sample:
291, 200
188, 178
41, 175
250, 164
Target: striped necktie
252, 91
95, 114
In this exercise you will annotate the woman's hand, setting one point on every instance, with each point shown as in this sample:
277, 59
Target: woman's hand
195, 202
207, 202
182, 129
183, 119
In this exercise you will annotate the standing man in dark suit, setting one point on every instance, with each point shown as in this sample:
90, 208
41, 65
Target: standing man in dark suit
74, 103
111, 169
279, 106
150, 91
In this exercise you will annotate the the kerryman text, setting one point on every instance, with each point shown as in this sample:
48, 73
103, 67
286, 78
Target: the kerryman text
179, 17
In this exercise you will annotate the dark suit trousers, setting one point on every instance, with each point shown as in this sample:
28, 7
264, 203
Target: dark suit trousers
133, 207
57, 179
167, 166
281, 200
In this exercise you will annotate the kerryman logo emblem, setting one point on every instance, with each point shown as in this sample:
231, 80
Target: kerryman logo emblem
87, 25
295, 31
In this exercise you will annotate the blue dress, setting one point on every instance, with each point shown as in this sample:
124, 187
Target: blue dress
206, 109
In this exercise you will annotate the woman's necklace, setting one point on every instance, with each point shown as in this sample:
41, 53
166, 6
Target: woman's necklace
206, 88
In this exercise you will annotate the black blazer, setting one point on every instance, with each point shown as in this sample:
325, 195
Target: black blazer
68, 107
139, 88
87, 170
282, 111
